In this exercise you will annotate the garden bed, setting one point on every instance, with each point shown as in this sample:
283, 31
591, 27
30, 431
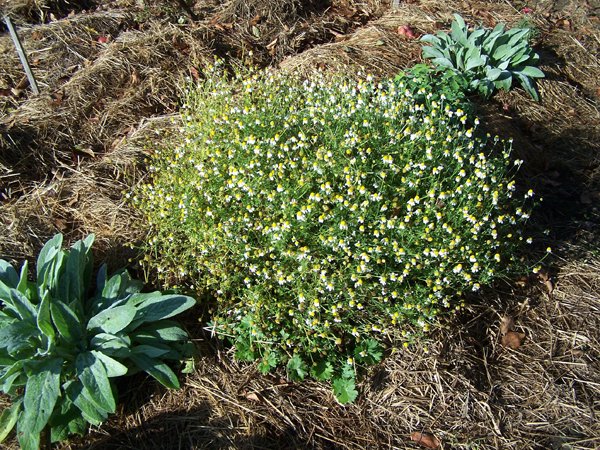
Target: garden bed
111, 81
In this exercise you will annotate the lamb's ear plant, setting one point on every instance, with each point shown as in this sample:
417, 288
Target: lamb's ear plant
488, 59
61, 349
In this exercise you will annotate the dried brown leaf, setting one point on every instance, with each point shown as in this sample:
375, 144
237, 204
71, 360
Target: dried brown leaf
255, 20
195, 73
23, 83
543, 275
406, 31
549, 285
513, 339
522, 281
506, 325
253, 397
427, 440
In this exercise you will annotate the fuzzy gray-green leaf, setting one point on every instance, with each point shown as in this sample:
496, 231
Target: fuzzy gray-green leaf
41, 393
8, 274
77, 394
113, 367
8, 419
74, 276
47, 256
459, 30
66, 321
18, 336
157, 369
92, 374
44, 322
532, 72
166, 331
163, 307
112, 320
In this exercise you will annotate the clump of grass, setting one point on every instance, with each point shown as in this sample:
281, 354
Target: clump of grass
327, 215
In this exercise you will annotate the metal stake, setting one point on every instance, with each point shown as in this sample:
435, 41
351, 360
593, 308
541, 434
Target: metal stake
22, 55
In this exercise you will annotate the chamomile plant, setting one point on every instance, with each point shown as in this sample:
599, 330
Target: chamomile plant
328, 215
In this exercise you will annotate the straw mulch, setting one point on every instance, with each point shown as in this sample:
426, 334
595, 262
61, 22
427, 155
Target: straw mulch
68, 156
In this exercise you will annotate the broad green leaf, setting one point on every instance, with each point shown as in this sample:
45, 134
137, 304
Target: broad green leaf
8, 274
473, 59
23, 286
41, 393
119, 284
486, 88
443, 62
5, 360
117, 346
491, 40
156, 369
112, 320
45, 260
66, 321
5, 294
504, 81
344, 390
459, 59
138, 298
113, 286
165, 330
113, 367
163, 307
518, 35
44, 323
493, 74
521, 58
150, 351
92, 374
90, 412
66, 422
8, 419
267, 363
7, 317
10, 375
430, 38
476, 36
527, 84
22, 305
18, 336
432, 52
101, 278
322, 371
72, 284
115, 292
296, 368
89, 261
368, 352
532, 72
505, 53
27, 439
459, 30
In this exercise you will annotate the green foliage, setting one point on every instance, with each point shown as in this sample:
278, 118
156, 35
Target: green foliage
60, 348
345, 390
487, 59
328, 216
